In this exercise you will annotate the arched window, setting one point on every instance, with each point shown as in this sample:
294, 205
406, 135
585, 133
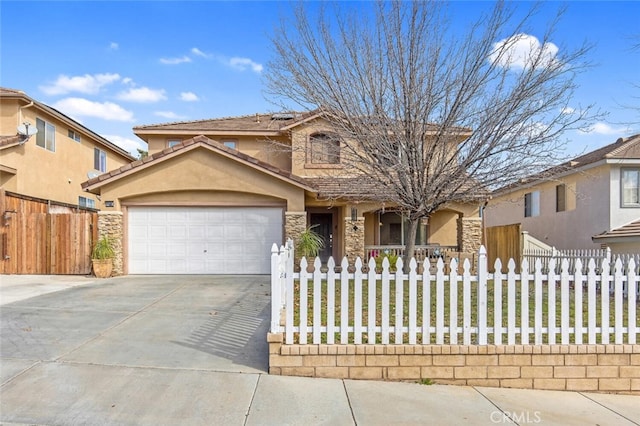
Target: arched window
325, 148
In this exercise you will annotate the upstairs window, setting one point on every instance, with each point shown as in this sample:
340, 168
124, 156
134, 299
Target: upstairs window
561, 198
74, 135
173, 142
325, 149
99, 160
630, 187
230, 143
532, 204
46, 136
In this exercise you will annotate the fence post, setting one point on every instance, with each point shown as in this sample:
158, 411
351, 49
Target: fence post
276, 291
482, 296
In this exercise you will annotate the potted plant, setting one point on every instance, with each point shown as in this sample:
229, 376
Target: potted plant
102, 257
310, 243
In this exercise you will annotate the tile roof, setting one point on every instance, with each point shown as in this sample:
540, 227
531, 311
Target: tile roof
8, 93
629, 230
254, 123
187, 144
8, 141
354, 188
622, 149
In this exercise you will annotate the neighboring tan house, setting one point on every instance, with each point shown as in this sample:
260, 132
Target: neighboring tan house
52, 163
591, 201
214, 195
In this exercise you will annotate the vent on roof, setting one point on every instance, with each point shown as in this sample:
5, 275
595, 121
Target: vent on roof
283, 116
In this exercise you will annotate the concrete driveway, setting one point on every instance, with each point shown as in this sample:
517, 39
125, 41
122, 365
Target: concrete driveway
168, 350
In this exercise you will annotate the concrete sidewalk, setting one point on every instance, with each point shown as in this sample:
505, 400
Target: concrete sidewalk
192, 350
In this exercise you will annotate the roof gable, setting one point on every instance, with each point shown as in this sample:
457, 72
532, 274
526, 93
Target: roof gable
187, 146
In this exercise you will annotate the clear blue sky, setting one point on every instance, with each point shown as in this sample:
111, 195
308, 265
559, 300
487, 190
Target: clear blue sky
113, 65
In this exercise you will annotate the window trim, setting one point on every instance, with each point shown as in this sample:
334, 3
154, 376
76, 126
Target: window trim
173, 142
324, 138
624, 204
98, 157
46, 134
73, 135
532, 204
86, 202
561, 198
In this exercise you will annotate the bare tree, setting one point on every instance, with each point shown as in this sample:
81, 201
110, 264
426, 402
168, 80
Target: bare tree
430, 117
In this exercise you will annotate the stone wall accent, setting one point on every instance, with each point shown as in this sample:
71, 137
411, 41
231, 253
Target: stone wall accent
598, 368
469, 234
295, 223
354, 239
110, 223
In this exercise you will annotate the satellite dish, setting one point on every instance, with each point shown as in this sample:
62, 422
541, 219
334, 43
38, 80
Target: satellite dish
26, 131
92, 174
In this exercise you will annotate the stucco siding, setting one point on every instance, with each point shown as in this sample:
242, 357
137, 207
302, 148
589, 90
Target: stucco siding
53, 175
586, 213
201, 170
274, 151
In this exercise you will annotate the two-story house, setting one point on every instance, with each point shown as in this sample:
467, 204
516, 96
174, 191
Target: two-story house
589, 202
47, 221
47, 155
214, 195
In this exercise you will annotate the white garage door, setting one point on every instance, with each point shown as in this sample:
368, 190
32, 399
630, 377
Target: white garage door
202, 240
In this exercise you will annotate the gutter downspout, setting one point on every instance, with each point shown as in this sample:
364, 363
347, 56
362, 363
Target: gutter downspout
29, 105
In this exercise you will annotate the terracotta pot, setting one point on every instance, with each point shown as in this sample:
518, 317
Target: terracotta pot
102, 268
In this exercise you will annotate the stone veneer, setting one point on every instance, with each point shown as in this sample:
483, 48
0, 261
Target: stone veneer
469, 234
110, 223
354, 239
295, 223
599, 368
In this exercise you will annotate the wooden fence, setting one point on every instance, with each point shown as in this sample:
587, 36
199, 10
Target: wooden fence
365, 306
33, 240
503, 242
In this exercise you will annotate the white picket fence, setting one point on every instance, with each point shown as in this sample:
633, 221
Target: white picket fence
364, 306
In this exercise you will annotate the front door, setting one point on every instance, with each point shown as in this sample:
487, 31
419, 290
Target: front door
322, 223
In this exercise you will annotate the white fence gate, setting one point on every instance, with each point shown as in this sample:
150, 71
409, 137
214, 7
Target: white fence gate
357, 304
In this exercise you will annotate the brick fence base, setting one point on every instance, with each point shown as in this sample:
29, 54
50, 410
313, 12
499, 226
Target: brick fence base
599, 368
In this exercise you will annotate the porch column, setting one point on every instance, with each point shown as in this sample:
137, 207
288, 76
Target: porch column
354, 239
469, 234
295, 224
110, 225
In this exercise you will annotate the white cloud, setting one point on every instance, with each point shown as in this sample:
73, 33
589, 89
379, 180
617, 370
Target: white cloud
567, 110
85, 108
129, 145
114, 46
198, 52
143, 95
88, 84
601, 128
243, 64
520, 50
169, 114
175, 61
189, 97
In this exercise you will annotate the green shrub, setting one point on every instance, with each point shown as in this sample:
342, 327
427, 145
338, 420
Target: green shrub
103, 249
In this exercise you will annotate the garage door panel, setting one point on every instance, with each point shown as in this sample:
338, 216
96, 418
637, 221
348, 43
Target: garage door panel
193, 240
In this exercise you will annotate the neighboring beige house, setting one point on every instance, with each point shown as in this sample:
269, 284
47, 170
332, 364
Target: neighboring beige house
592, 201
214, 195
52, 163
